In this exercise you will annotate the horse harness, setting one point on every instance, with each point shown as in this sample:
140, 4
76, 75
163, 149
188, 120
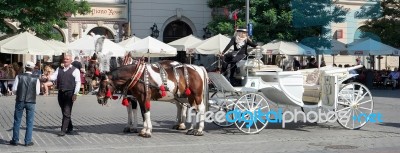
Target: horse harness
141, 68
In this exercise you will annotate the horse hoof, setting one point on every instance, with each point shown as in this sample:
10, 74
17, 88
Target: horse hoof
190, 132
144, 135
198, 133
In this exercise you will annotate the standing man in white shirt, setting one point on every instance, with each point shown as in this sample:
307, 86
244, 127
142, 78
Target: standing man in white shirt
26, 87
68, 83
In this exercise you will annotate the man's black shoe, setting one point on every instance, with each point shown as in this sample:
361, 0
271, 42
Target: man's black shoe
13, 143
29, 144
61, 134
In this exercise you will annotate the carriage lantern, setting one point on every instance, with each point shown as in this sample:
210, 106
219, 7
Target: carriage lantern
154, 31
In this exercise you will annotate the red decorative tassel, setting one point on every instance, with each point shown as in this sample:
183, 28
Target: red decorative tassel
97, 72
187, 92
114, 97
125, 102
162, 88
108, 94
147, 105
163, 93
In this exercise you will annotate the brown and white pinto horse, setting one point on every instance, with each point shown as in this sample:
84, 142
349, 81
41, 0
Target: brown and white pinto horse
94, 75
165, 81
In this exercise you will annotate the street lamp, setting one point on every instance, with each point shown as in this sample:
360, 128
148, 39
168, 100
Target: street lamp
154, 31
207, 33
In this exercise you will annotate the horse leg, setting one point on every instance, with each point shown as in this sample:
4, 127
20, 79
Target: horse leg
180, 117
131, 127
193, 117
147, 126
200, 116
135, 116
202, 109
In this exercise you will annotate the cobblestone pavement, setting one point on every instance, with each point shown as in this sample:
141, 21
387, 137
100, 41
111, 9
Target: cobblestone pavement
99, 129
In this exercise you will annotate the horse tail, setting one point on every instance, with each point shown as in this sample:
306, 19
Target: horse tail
205, 88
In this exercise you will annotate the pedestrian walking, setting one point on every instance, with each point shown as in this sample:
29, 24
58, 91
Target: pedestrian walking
26, 86
68, 80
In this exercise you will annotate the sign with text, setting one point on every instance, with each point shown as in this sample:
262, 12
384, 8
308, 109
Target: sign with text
112, 12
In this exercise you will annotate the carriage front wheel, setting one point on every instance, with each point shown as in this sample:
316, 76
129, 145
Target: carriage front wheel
354, 106
251, 113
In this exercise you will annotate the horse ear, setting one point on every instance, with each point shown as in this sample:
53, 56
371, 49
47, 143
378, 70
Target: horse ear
94, 57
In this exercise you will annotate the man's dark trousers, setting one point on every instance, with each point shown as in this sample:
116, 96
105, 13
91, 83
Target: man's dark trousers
65, 102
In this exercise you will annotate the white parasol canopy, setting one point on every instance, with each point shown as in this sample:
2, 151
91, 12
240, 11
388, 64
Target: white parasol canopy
83, 46
184, 43
62, 47
370, 47
112, 49
213, 45
288, 48
337, 47
150, 47
87, 44
131, 40
26, 43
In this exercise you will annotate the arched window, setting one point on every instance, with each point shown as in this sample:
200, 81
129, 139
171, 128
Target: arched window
173, 31
102, 31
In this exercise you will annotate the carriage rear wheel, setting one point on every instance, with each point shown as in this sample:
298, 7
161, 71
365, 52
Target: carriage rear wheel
251, 113
354, 106
224, 106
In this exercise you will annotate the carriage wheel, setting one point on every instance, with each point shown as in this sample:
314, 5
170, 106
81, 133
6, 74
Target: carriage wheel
224, 106
354, 106
248, 117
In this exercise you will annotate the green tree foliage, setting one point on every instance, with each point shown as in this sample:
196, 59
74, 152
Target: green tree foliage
39, 15
384, 21
288, 20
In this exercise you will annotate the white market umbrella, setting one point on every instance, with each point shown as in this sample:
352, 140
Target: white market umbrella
26, 43
213, 45
288, 48
150, 47
184, 43
112, 49
84, 46
131, 40
336, 47
370, 47
62, 47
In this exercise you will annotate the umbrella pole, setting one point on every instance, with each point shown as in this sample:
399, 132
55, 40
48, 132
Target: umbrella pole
190, 58
386, 61
219, 62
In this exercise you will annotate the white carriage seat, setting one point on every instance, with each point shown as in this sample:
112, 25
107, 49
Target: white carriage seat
312, 79
221, 83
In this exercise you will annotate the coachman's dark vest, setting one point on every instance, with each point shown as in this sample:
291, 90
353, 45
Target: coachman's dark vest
26, 88
65, 80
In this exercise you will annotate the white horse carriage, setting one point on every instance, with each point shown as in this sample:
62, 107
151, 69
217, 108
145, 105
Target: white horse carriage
323, 89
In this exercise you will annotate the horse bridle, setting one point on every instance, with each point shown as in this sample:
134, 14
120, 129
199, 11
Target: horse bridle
109, 83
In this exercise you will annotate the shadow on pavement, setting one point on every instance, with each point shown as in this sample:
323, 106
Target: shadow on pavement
396, 125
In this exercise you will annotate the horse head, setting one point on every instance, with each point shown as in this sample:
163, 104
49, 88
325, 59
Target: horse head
106, 89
